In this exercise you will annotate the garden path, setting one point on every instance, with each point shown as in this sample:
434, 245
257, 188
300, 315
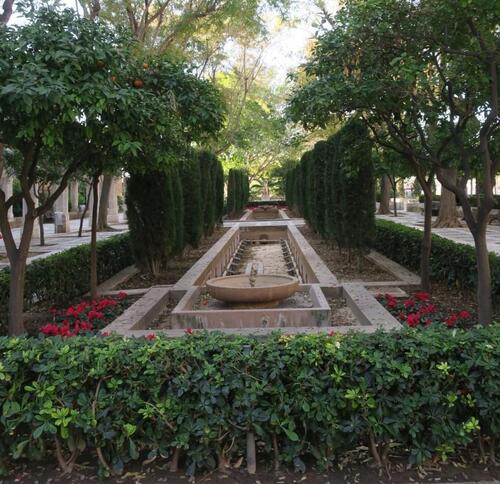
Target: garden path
460, 235
59, 242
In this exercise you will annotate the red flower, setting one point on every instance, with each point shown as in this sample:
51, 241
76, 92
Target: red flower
429, 308
332, 333
409, 303
413, 320
73, 312
422, 296
188, 331
401, 316
464, 314
105, 303
122, 295
391, 301
50, 330
151, 337
95, 315
451, 320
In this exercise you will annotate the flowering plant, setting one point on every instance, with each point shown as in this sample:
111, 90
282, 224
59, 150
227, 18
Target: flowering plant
419, 310
86, 317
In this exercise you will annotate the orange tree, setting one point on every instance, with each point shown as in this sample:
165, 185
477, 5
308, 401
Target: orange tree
424, 77
58, 89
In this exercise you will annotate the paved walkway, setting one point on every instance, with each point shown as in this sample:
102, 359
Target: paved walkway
59, 242
460, 235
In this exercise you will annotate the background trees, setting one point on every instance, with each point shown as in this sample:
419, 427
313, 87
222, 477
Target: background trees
421, 75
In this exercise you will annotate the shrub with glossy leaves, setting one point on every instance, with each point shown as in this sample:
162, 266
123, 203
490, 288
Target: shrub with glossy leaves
430, 391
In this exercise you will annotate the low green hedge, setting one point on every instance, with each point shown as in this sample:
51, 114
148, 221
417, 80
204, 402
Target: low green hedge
64, 276
426, 392
450, 262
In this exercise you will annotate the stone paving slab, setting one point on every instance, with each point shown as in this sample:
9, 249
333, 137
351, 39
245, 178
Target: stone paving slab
460, 235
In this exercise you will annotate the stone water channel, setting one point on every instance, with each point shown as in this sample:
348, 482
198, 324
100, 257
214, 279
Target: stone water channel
264, 257
320, 304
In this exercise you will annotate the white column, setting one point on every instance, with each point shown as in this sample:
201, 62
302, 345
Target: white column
73, 193
6, 183
61, 214
113, 217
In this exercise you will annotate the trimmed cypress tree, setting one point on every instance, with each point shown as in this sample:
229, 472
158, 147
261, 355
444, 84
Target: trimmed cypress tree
321, 152
307, 162
178, 209
192, 195
149, 204
238, 191
231, 191
358, 187
219, 191
208, 167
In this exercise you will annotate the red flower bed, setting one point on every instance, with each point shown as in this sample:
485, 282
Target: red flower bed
86, 317
419, 310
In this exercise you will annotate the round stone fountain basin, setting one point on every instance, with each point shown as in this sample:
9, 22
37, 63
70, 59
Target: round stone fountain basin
268, 288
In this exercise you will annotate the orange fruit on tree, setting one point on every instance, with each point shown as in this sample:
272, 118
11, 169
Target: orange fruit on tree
138, 83
113, 78
145, 65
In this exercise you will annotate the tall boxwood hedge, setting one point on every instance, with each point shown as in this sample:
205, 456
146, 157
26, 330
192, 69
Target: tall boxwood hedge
425, 392
66, 275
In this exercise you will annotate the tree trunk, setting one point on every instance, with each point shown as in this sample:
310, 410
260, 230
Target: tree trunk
484, 299
394, 195
42, 231
385, 196
425, 250
102, 219
448, 205
7, 11
82, 218
17, 259
93, 239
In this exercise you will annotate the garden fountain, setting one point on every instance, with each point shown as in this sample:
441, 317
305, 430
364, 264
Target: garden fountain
254, 289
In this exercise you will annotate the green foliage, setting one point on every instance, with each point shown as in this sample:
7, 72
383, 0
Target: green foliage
61, 277
333, 187
452, 263
219, 191
193, 208
152, 219
238, 191
178, 210
211, 190
356, 183
429, 392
